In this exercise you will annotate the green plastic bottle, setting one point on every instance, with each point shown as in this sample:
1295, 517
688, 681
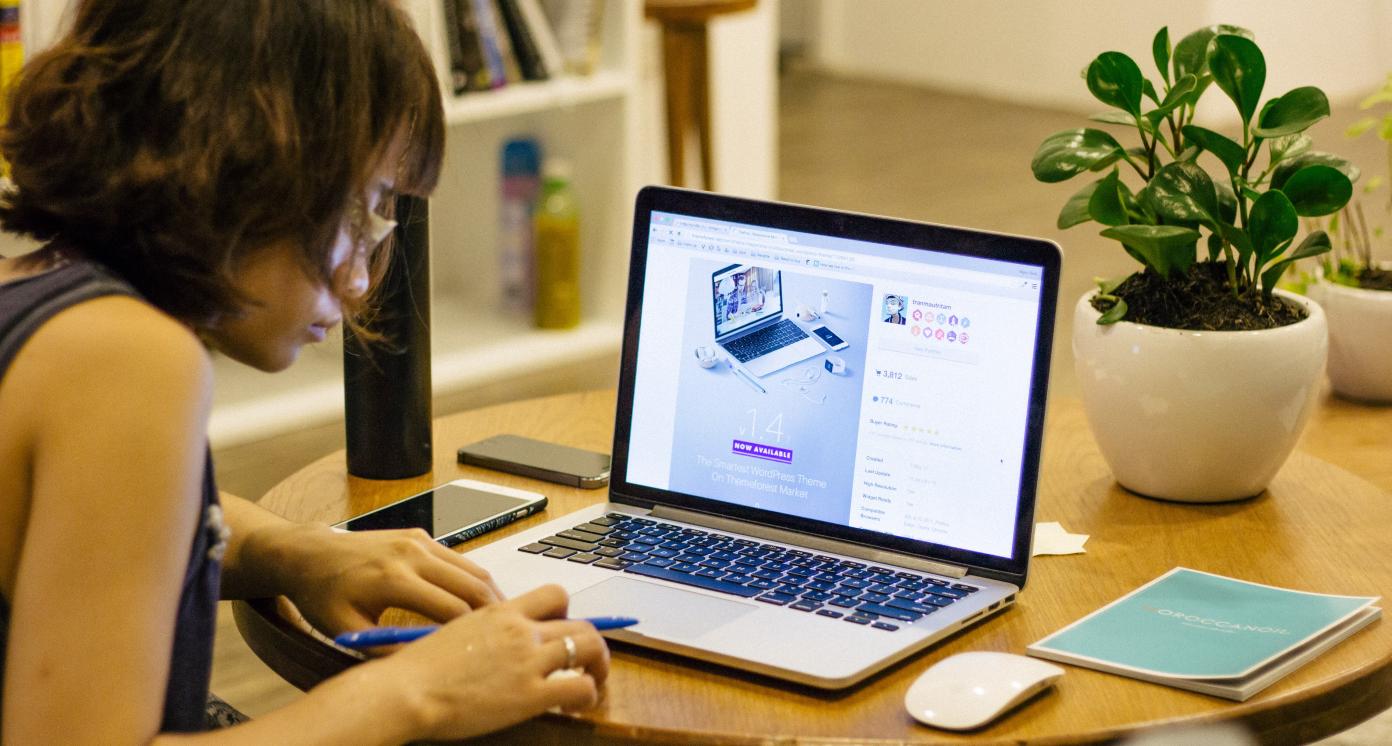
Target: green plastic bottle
557, 250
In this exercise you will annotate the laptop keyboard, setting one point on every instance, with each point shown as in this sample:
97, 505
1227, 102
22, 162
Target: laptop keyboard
765, 340
834, 588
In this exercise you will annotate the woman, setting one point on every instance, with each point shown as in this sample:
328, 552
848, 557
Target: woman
215, 175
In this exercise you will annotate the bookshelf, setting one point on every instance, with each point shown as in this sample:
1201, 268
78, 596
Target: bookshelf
590, 120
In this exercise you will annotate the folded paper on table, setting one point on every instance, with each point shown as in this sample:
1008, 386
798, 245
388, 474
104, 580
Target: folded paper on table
1052, 538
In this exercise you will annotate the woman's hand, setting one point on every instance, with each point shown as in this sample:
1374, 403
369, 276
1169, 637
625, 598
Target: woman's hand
343, 581
492, 668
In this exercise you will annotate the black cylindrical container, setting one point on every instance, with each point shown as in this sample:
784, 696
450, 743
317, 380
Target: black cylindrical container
386, 386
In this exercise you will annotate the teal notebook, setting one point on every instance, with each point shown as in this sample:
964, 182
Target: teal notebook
1208, 633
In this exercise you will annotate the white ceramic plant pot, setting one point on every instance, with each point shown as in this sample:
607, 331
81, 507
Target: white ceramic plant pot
1360, 340
1197, 416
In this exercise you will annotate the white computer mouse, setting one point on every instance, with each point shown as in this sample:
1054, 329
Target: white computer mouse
969, 690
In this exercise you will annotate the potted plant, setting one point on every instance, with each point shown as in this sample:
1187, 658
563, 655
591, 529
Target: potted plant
1196, 373
1355, 290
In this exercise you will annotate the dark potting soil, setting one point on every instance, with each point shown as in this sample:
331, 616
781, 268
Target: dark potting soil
1199, 300
1374, 279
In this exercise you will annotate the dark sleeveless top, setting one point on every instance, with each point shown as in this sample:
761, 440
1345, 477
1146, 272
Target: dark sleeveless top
27, 303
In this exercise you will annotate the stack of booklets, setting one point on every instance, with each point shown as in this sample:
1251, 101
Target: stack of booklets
1209, 633
493, 43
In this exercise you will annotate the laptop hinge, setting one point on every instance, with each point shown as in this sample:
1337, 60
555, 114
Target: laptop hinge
820, 543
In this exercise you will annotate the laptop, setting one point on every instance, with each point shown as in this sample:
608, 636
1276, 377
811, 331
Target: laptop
825, 522
747, 301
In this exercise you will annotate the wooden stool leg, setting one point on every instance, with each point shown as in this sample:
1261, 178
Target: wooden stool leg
677, 74
701, 93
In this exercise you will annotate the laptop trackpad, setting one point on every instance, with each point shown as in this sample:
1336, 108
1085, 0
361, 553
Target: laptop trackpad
669, 613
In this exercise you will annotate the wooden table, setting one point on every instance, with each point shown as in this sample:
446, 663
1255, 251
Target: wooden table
1317, 528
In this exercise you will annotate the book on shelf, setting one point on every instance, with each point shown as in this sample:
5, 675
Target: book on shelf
1209, 633
489, 43
467, 71
577, 27
524, 45
548, 49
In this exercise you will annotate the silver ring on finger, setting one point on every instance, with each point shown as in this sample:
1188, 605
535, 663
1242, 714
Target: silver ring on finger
571, 653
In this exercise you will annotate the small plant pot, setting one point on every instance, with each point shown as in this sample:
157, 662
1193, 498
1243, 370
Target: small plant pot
1360, 327
1197, 416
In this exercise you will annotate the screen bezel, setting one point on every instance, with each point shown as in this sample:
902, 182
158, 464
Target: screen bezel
943, 239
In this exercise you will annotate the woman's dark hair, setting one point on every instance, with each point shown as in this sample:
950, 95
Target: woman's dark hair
167, 139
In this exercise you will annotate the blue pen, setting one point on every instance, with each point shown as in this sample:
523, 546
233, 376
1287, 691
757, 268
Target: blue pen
369, 638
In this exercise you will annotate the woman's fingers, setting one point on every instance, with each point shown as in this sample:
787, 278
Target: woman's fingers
571, 692
591, 652
475, 591
545, 602
463, 564
425, 598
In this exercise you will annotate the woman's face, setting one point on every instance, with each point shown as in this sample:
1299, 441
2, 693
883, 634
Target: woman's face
288, 308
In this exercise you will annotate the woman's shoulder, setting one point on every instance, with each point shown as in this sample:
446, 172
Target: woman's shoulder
113, 345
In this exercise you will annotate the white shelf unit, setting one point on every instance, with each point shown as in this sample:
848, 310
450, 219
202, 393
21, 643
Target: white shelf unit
592, 122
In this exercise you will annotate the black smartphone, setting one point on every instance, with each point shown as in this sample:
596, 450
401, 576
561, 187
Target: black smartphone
538, 459
453, 513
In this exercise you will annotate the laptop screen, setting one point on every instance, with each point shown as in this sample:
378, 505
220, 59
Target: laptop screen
742, 295
908, 428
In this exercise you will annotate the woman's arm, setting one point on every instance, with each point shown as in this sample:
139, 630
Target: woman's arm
113, 405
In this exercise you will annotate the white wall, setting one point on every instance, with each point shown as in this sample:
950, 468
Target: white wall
1032, 52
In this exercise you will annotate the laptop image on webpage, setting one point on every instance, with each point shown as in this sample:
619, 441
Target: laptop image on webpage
846, 510
747, 301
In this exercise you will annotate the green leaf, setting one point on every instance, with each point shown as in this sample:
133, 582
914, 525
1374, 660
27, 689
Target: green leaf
1239, 239
1066, 154
1318, 190
1294, 112
1148, 88
1160, 50
1230, 153
1385, 131
1106, 206
1288, 166
1168, 249
1215, 247
1114, 117
1272, 224
1115, 80
1114, 314
1183, 191
1177, 95
1107, 286
1289, 147
1358, 128
1227, 202
1075, 211
1191, 53
1314, 244
1381, 97
1238, 68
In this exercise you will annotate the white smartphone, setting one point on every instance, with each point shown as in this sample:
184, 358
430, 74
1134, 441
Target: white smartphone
454, 512
831, 340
